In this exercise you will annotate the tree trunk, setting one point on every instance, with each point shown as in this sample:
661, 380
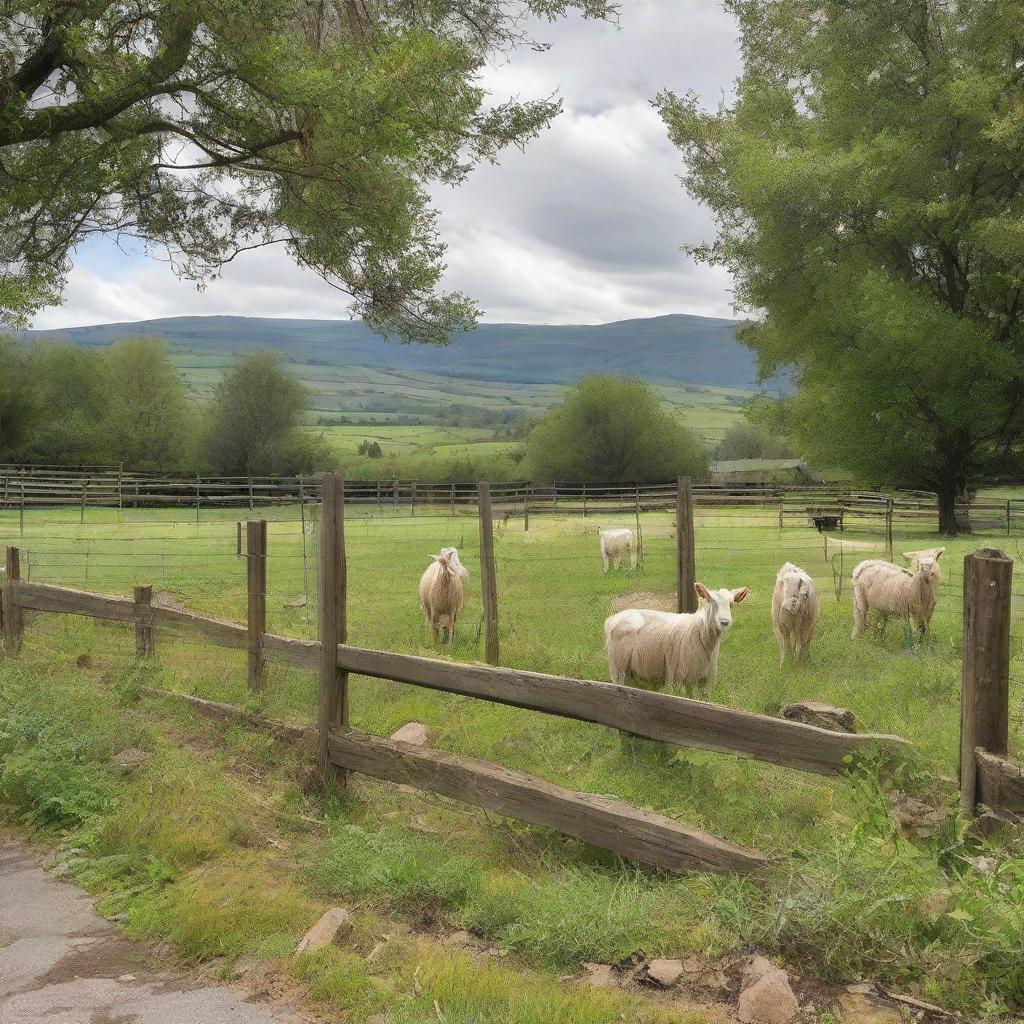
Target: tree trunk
948, 526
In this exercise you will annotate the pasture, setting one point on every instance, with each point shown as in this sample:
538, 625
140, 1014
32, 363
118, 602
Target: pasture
853, 895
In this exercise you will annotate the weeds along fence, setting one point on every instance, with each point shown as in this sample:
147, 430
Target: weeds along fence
988, 776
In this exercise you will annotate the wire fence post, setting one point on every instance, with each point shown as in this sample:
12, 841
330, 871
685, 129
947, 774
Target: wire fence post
888, 528
331, 623
120, 492
488, 581
412, 499
639, 531
145, 644
1007, 517
13, 623
782, 510
686, 572
252, 497
584, 501
453, 497
85, 495
21, 511
256, 576
985, 691
305, 563
526, 512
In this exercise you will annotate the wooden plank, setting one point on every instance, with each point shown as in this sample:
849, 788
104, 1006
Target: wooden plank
43, 597
217, 631
256, 605
612, 824
1000, 783
686, 571
985, 689
333, 692
657, 716
488, 579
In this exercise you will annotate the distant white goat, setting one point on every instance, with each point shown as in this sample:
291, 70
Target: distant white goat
614, 544
666, 648
442, 592
888, 589
794, 611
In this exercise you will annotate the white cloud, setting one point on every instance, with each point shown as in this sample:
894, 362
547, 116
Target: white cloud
584, 227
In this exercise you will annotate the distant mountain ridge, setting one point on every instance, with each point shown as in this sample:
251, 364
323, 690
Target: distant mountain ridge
678, 347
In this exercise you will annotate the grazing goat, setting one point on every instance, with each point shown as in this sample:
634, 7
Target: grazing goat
665, 648
794, 611
614, 544
891, 590
442, 592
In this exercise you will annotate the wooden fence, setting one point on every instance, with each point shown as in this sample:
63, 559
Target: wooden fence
986, 774
25, 488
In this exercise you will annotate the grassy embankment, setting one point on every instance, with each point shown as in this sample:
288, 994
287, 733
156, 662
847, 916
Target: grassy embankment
211, 844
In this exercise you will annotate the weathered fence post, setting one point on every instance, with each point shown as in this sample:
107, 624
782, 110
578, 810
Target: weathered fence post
489, 583
412, 499
21, 511
1007, 517
197, 500
985, 692
888, 528
252, 497
256, 575
526, 512
453, 497
238, 538
331, 624
584, 501
120, 492
782, 510
686, 572
145, 644
394, 492
13, 622
305, 565
85, 495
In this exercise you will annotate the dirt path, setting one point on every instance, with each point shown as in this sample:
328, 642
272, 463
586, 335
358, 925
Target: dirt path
62, 964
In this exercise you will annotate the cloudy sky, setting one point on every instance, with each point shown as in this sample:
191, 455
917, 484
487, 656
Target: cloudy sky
584, 227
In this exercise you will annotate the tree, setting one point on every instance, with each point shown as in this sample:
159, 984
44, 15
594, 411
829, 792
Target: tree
868, 184
254, 424
751, 441
17, 409
611, 429
212, 126
148, 419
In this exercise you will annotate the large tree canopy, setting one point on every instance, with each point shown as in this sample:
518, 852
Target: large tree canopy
205, 127
867, 183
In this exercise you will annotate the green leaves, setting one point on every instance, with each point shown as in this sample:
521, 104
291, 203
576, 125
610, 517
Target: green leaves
266, 122
867, 187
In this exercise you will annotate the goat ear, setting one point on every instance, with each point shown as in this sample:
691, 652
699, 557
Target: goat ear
702, 591
739, 595
938, 553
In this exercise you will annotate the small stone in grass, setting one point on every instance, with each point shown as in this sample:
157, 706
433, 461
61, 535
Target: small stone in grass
415, 733
599, 976
766, 996
332, 928
665, 972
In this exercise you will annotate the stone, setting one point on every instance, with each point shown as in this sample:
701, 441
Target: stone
917, 817
332, 929
861, 988
299, 602
824, 716
599, 976
467, 940
665, 972
415, 733
766, 996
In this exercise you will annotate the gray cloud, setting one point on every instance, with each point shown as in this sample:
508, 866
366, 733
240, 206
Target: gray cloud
584, 226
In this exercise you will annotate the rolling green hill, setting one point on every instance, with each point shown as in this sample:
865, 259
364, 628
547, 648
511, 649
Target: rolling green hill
693, 349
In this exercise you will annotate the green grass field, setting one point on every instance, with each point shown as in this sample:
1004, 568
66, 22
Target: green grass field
852, 896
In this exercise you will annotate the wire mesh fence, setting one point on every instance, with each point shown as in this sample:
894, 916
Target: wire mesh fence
553, 594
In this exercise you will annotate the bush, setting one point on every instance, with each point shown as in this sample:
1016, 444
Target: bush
611, 429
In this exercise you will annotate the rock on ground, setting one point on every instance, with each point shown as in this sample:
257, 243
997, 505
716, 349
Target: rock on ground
665, 972
333, 928
415, 733
599, 976
824, 716
766, 996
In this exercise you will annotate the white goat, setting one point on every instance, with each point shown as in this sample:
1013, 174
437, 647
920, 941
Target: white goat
614, 544
891, 590
666, 648
443, 592
794, 611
